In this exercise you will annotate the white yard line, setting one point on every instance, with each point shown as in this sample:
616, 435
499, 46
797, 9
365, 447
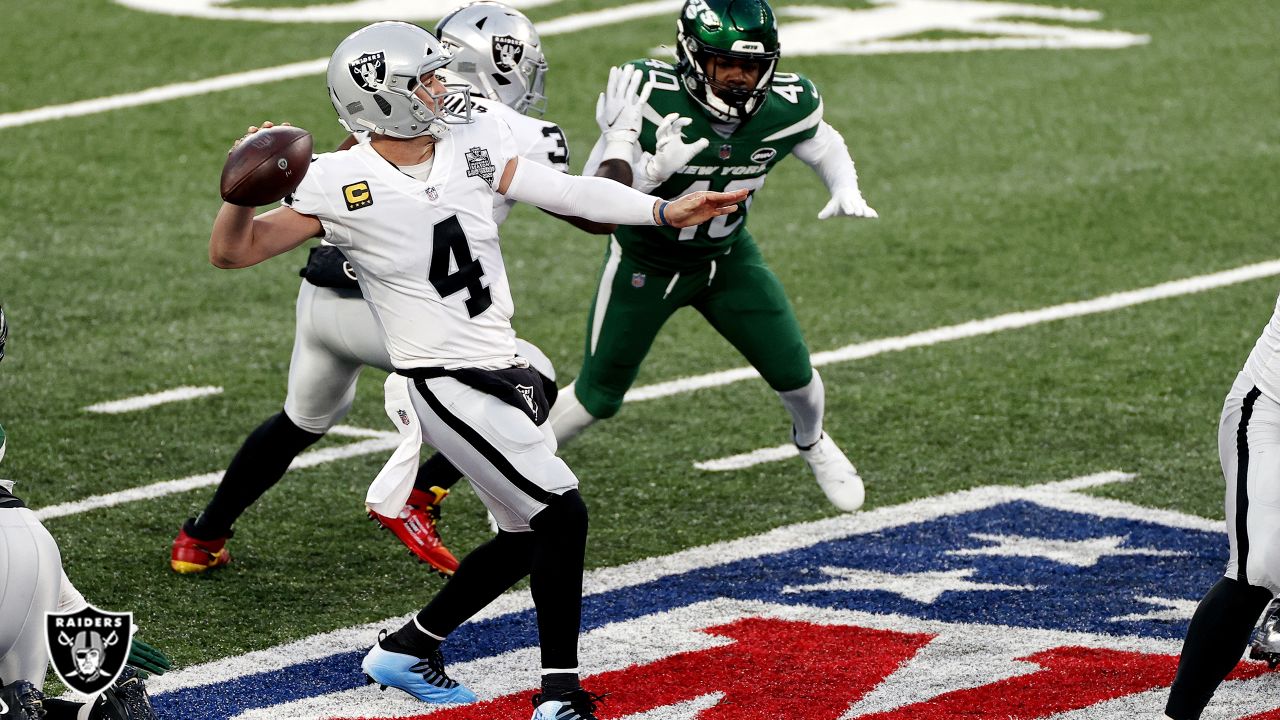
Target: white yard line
976, 328
973, 328
164, 93
142, 402
382, 442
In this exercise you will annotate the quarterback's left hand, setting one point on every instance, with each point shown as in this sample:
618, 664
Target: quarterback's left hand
847, 202
148, 659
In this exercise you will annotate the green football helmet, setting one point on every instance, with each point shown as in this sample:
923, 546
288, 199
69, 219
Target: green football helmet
736, 31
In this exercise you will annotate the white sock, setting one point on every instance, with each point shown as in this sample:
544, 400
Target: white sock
806, 406
568, 417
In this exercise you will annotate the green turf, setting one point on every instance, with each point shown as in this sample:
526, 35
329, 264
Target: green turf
1006, 181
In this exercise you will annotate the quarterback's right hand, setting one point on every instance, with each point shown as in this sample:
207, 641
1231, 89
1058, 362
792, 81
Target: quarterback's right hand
253, 129
620, 108
671, 152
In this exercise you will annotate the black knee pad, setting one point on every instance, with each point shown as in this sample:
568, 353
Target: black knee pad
566, 512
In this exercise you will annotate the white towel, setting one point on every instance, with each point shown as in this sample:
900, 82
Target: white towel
390, 490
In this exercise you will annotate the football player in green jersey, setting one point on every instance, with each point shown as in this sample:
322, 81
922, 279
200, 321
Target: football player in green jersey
726, 92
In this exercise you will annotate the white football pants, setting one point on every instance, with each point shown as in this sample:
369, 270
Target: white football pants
30, 583
1249, 447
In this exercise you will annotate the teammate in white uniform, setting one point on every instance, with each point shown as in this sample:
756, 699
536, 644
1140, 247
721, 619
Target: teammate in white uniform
424, 246
336, 334
33, 583
1248, 440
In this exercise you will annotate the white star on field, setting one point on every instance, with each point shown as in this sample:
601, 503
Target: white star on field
923, 587
1174, 610
1080, 553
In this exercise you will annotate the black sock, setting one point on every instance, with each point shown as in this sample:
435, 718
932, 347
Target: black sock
437, 471
409, 640
483, 575
1216, 639
558, 684
560, 533
259, 464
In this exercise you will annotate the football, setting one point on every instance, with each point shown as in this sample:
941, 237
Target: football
266, 166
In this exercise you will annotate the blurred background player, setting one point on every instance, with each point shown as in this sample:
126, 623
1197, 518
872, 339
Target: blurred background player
746, 117
33, 583
428, 256
499, 60
1248, 438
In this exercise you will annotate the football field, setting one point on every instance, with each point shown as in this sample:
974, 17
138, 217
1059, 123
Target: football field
1025, 356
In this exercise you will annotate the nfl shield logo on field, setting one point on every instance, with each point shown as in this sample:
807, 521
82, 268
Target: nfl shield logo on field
637, 280
88, 648
725, 151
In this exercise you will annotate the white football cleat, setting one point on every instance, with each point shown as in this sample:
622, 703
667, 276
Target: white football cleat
837, 477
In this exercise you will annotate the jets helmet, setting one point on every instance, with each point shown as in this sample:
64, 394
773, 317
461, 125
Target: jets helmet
497, 51
736, 30
373, 75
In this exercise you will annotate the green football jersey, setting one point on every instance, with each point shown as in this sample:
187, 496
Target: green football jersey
790, 115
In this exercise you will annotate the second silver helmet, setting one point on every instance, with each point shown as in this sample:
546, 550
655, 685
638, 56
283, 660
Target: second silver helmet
498, 52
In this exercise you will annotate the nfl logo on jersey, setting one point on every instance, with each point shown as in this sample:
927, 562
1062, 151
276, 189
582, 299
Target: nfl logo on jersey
637, 280
725, 151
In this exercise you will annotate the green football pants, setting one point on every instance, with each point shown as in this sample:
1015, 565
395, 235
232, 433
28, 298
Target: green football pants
737, 293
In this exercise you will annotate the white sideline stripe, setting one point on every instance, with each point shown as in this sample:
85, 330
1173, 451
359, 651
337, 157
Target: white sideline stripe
164, 93
1058, 494
977, 328
383, 443
142, 402
746, 460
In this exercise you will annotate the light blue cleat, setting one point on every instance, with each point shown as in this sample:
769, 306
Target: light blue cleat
423, 678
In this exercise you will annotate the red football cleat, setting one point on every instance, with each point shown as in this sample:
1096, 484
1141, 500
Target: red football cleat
193, 555
416, 528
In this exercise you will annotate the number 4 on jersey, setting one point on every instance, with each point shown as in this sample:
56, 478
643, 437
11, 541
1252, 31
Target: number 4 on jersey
449, 241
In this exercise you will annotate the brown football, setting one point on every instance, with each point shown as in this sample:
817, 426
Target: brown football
266, 166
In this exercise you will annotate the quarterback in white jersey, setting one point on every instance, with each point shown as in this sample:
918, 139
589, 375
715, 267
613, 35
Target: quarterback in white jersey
424, 245
1248, 440
336, 334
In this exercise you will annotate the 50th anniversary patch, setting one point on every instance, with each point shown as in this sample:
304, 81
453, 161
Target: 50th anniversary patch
998, 602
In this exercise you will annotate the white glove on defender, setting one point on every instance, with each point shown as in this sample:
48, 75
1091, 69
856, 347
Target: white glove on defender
671, 152
620, 111
847, 202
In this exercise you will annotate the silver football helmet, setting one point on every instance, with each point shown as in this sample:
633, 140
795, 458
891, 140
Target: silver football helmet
373, 76
1265, 643
498, 53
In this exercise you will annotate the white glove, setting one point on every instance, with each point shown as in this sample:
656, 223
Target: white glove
671, 152
620, 111
847, 202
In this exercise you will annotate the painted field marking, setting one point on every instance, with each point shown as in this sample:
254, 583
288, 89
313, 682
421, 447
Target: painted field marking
142, 402
164, 93
1063, 495
378, 442
746, 460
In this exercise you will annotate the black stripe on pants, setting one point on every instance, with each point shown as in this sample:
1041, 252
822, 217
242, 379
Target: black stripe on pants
490, 453
1242, 486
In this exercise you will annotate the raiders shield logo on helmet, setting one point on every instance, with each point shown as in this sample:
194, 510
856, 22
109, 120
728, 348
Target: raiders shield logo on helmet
507, 52
369, 71
88, 648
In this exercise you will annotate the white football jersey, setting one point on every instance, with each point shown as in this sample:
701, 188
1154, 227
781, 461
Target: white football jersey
1263, 365
426, 253
538, 140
